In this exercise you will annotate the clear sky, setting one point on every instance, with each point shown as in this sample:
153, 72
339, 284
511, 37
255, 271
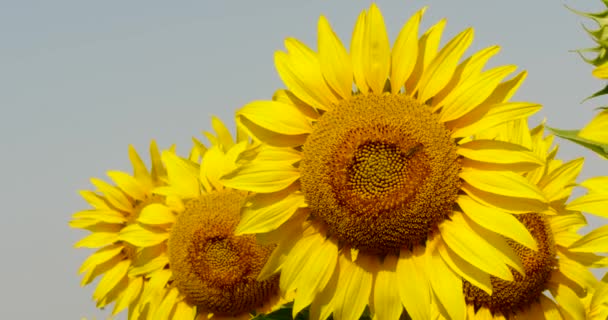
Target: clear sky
80, 80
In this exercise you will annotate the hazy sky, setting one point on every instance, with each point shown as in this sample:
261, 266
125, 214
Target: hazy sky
80, 80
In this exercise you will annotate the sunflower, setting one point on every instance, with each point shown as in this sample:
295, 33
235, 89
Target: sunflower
556, 278
210, 271
382, 196
117, 209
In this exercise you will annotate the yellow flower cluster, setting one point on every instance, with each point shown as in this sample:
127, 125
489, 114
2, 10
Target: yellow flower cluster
391, 181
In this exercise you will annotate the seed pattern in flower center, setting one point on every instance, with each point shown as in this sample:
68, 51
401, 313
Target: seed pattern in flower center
212, 267
380, 172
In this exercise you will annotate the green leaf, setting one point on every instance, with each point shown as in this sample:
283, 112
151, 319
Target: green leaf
597, 94
572, 135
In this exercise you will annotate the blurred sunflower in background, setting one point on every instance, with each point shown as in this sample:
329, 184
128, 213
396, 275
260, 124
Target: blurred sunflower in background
211, 272
596, 304
376, 191
117, 210
556, 278
168, 247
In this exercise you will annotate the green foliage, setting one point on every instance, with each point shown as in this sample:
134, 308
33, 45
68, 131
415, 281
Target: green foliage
572, 135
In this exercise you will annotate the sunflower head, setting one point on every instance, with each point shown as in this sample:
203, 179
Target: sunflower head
212, 270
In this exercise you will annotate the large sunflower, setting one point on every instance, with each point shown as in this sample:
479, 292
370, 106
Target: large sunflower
210, 271
381, 196
117, 209
556, 278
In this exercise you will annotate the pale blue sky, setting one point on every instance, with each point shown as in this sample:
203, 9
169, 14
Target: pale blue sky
80, 80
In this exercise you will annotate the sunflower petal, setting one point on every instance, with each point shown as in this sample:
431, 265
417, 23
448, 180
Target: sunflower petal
447, 287
376, 50
463, 241
497, 114
97, 240
440, 70
319, 269
354, 288
414, 288
263, 178
334, 60
140, 172
467, 271
427, 50
110, 279
471, 93
497, 220
300, 71
268, 212
567, 301
405, 52
101, 256
223, 134
597, 129
259, 133
156, 213
276, 116
182, 175
594, 241
495, 151
596, 184
113, 194
549, 308
142, 236
107, 216
387, 304
505, 203
127, 296
558, 184
594, 203
503, 183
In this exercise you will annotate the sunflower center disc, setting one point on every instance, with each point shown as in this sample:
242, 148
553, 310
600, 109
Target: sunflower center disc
214, 269
380, 171
510, 297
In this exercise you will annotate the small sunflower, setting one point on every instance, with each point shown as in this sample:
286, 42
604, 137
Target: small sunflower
558, 268
382, 196
117, 209
210, 271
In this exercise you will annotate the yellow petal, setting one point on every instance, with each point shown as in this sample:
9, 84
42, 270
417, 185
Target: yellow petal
260, 134
471, 93
594, 241
357, 52
262, 178
100, 256
268, 212
212, 168
354, 288
300, 70
447, 287
156, 213
142, 236
503, 202
129, 295
549, 308
558, 184
504, 183
597, 129
497, 220
335, 61
387, 304
95, 200
223, 134
129, 184
97, 239
376, 50
107, 216
568, 302
97, 270
601, 71
148, 265
165, 308
184, 310
427, 51
405, 52
467, 271
463, 241
567, 222
594, 203
276, 116
440, 70
580, 275
111, 279
140, 172
497, 114
158, 170
114, 195
596, 184
295, 262
319, 269
182, 175
272, 154
495, 151
414, 288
